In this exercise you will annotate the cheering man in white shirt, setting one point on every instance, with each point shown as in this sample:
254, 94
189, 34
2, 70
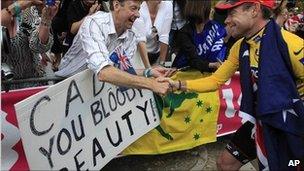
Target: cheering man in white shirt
105, 44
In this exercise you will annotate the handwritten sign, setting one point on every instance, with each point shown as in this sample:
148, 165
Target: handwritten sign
82, 123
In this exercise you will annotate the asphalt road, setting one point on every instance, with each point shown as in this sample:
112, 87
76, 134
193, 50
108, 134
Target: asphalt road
199, 158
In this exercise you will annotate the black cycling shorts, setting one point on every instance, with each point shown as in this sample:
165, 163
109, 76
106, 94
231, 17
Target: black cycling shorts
242, 145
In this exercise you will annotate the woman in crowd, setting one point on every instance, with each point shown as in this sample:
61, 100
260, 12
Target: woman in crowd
178, 20
67, 22
77, 11
59, 32
281, 13
154, 26
200, 43
29, 35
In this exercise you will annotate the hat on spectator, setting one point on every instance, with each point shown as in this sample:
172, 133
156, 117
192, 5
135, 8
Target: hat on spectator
228, 4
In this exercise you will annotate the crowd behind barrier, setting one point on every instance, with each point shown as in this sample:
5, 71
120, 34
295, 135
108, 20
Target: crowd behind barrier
44, 44
63, 27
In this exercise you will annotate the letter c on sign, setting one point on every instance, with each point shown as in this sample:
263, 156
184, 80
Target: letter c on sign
32, 125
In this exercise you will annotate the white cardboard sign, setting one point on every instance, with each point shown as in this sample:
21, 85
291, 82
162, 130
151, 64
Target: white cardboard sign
81, 123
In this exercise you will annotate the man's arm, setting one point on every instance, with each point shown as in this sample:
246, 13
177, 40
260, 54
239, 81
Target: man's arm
213, 82
93, 42
115, 76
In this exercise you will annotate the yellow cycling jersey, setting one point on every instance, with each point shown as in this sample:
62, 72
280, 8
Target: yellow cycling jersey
230, 66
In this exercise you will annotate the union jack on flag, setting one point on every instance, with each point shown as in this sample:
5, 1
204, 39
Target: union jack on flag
121, 60
276, 146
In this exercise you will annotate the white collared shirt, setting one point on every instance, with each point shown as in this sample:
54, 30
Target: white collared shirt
94, 43
162, 23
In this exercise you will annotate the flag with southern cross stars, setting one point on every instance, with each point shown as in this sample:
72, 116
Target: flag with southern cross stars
188, 119
279, 110
122, 62
269, 136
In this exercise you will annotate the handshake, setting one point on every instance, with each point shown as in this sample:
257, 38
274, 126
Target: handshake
162, 84
173, 85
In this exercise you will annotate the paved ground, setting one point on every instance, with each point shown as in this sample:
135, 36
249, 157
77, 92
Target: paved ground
199, 158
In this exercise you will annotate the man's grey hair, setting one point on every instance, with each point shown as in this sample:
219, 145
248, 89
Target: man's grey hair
122, 2
112, 6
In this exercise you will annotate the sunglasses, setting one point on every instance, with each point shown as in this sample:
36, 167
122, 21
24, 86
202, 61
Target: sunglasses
155, 32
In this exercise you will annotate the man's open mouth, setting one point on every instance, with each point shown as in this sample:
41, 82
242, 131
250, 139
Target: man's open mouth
132, 20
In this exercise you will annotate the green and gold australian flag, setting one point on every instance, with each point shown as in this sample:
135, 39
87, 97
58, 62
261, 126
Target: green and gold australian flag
188, 119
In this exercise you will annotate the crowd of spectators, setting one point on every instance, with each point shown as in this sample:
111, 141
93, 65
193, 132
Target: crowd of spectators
186, 33
28, 25
73, 35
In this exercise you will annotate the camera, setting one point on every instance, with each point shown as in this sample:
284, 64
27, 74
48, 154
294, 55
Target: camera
6, 72
50, 2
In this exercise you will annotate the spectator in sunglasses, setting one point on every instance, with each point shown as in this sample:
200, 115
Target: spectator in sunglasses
154, 26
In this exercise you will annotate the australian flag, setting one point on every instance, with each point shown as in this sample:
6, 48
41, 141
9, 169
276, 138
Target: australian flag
277, 106
280, 139
280, 110
122, 62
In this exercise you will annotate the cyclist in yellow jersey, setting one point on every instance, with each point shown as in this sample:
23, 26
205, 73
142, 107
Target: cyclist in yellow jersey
248, 19
228, 68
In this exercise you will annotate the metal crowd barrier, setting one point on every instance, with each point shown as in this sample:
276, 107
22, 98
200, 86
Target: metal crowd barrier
48, 79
